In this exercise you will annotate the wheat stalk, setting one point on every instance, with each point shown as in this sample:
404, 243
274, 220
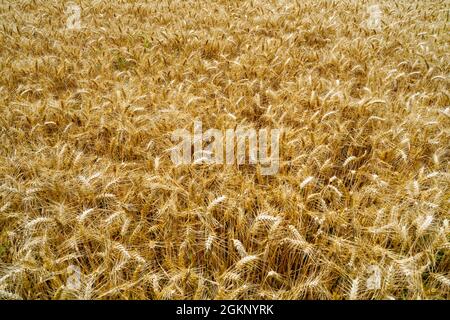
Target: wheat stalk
88, 181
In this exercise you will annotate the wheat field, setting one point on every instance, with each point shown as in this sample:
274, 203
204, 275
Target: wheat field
92, 207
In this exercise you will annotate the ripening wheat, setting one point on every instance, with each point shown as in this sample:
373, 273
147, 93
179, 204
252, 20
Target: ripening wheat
92, 207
